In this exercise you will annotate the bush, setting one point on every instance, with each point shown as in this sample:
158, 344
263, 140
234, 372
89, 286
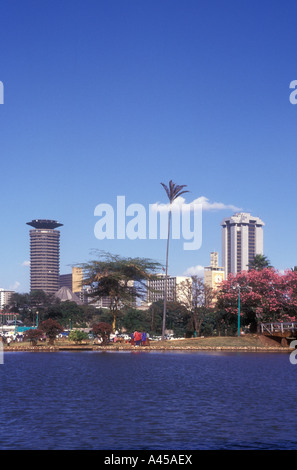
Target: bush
78, 336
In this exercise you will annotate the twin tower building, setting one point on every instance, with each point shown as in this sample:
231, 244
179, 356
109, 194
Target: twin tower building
242, 239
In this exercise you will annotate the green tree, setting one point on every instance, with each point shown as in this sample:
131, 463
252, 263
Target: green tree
63, 311
28, 305
177, 317
78, 336
90, 314
123, 280
20, 303
155, 312
134, 319
259, 262
39, 298
173, 191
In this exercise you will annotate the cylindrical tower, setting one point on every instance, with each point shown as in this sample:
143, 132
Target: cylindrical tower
44, 255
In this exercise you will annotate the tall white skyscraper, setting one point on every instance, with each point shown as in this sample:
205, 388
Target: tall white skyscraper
242, 239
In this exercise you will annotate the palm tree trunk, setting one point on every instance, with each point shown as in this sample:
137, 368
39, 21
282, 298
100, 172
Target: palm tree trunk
166, 273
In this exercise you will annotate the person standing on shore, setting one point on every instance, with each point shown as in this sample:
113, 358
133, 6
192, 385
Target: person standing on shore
138, 338
144, 337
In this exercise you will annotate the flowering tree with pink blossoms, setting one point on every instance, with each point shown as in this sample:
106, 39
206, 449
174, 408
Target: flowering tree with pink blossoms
265, 295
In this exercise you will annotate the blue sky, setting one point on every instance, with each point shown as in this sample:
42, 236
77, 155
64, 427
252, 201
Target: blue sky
112, 97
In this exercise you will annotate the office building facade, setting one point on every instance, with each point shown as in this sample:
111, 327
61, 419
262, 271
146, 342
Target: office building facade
73, 281
44, 255
242, 240
5, 296
65, 280
156, 288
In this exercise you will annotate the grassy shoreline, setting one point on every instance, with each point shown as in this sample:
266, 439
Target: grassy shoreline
227, 343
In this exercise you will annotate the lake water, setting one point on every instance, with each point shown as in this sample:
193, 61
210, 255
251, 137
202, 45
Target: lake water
148, 400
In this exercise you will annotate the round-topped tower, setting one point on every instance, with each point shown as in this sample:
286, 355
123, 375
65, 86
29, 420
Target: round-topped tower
44, 255
44, 223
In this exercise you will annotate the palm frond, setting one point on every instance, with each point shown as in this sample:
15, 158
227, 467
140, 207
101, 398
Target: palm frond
166, 189
174, 190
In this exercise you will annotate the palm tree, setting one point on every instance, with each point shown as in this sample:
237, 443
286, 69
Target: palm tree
259, 262
173, 191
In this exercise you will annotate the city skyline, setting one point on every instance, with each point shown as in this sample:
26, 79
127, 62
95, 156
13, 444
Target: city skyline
43, 257
106, 99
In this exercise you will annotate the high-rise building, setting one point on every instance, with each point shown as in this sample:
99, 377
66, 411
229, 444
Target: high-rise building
65, 280
242, 240
73, 281
44, 255
5, 296
77, 279
156, 287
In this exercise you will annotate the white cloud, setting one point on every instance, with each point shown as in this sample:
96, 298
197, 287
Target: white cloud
179, 203
209, 206
195, 271
15, 285
26, 263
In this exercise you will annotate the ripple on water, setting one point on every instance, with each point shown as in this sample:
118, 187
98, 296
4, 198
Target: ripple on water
82, 400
